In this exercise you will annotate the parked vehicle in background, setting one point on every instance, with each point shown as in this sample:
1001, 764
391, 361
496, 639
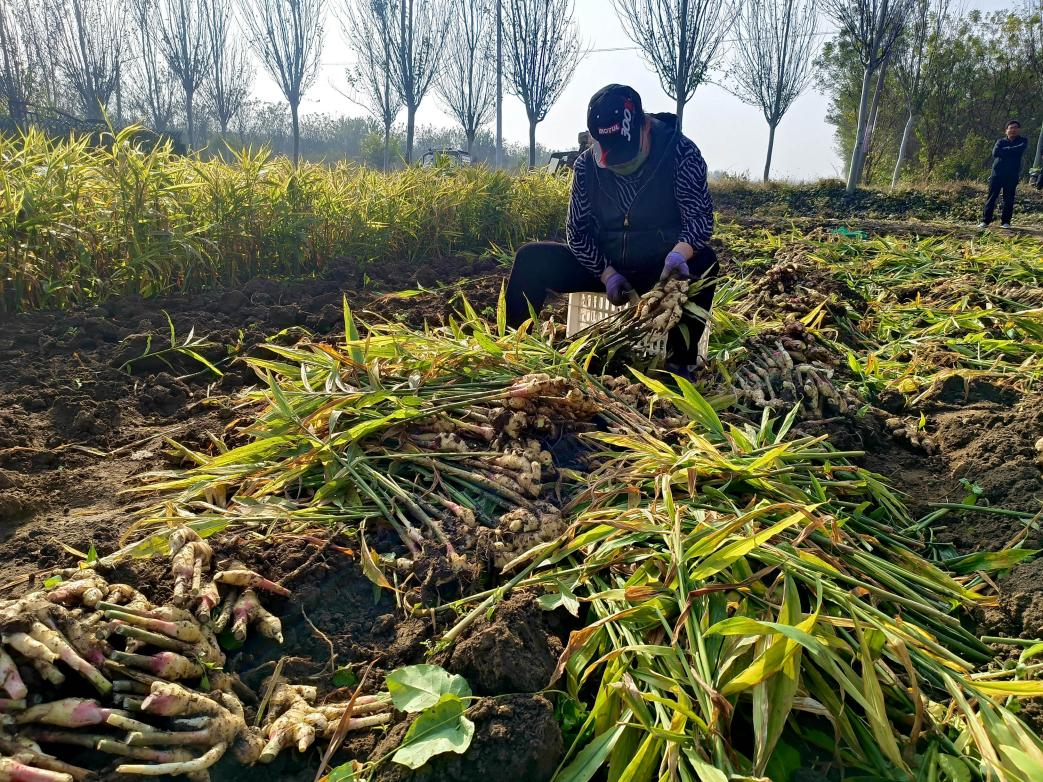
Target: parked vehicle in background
560, 162
452, 157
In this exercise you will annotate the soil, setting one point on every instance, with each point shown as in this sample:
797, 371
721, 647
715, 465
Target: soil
515, 737
83, 414
515, 650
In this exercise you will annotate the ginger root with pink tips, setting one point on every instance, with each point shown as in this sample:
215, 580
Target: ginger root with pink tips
293, 720
13, 771
166, 665
244, 579
167, 699
134, 653
66, 713
59, 646
248, 610
189, 554
86, 588
10, 679
298, 722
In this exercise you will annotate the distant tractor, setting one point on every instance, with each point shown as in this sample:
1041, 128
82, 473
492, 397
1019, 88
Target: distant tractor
451, 157
560, 162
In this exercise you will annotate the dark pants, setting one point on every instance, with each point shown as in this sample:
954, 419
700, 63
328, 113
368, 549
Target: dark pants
997, 184
540, 267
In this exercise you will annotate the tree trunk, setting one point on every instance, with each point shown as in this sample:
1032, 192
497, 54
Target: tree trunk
854, 173
119, 102
191, 123
470, 141
771, 146
410, 120
499, 84
874, 111
1037, 161
683, 60
296, 126
532, 143
902, 148
387, 144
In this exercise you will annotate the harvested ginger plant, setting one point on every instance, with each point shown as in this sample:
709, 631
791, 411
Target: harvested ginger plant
450, 446
733, 579
161, 703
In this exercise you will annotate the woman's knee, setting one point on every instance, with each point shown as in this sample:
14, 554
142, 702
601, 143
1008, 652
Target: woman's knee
536, 252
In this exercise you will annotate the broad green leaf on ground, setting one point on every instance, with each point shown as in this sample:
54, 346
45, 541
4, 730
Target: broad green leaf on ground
441, 728
561, 597
418, 687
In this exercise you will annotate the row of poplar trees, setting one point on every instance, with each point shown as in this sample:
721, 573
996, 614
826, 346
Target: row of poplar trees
157, 60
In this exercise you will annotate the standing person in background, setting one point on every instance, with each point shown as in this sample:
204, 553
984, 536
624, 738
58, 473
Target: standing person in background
640, 211
1006, 170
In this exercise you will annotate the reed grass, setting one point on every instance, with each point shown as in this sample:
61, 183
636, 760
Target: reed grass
80, 223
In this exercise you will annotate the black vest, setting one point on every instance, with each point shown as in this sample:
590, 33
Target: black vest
643, 235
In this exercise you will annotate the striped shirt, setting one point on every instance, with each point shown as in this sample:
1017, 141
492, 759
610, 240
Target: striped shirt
690, 190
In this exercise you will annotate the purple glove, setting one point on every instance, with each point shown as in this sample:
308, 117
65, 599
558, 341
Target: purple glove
618, 288
675, 266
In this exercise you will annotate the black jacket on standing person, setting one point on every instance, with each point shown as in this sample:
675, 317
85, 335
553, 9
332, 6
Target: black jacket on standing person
1006, 170
1007, 156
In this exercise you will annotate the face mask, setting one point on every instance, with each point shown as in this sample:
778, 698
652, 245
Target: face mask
631, 166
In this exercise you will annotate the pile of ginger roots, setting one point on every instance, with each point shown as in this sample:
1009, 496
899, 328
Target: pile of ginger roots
93, 671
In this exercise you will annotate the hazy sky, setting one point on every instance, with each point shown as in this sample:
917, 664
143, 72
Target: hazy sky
733, 136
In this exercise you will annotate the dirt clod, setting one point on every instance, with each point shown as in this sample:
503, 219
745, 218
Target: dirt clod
512, 652
515, 738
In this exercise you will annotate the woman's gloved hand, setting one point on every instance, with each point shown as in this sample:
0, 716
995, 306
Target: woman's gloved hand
618, 289
676, 265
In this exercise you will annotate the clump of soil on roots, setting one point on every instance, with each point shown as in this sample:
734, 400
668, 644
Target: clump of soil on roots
513, 651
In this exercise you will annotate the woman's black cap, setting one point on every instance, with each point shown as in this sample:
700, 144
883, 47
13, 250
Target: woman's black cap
615, 119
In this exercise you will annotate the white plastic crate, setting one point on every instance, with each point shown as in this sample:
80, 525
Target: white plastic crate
586, 309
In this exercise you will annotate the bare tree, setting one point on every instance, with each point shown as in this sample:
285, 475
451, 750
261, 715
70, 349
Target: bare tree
680, 39
17, 72
367, 31
775, 44
499, 84
1035, 54
911, 62
39, 40
231, 73
466, 84
183, 35
543, 50
88, 39
417, 33
287, 37
153, 87
873, 27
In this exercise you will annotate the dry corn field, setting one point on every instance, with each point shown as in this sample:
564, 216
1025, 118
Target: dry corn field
283, 498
